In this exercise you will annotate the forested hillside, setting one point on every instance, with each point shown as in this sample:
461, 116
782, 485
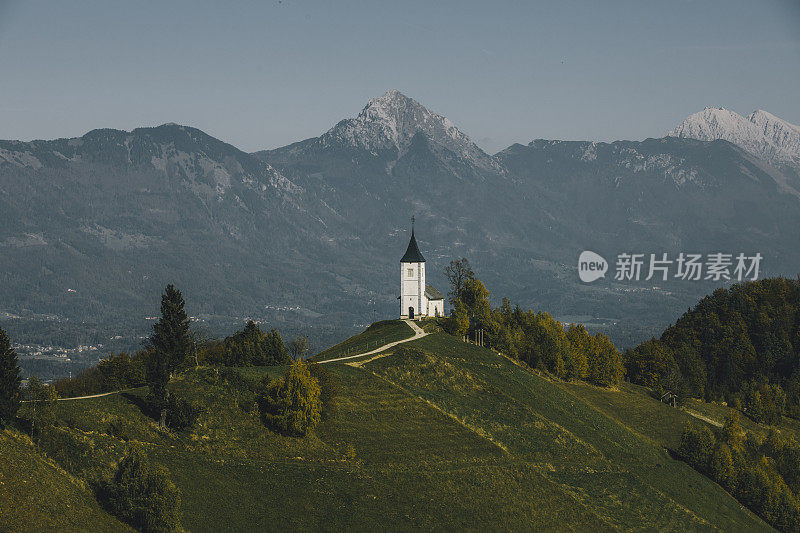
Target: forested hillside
740, 344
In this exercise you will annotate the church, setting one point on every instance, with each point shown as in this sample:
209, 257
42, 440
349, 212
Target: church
417, 300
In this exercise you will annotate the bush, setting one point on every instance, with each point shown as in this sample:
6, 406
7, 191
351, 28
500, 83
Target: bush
292, 405
73, 452
143, 495
649, 363
763, 402
232, 378
329, 389
42, 407
181, 414
251, 346
697, 445
721, 467
117, 371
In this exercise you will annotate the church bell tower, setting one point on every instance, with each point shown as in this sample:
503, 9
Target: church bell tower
413, 302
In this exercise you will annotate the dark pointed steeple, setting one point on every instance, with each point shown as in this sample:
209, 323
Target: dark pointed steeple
412, 254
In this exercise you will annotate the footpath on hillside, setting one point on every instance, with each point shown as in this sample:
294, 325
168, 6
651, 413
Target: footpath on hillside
83, 397
418, 334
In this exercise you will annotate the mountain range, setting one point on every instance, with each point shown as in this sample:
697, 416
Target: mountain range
307, 237
761, 134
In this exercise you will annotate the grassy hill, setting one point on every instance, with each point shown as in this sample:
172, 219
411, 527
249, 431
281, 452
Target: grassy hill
376, 335
38, 495
446, 436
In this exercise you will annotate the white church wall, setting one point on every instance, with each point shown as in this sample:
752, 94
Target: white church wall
435, 307
412, 289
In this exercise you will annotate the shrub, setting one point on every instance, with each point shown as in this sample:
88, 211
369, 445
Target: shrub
143, 495
251, 346
73, 452
181, 414
697, 445
329, 389
292, 405
763, 402
42, 407
721, 467
232, 378
117, 371
649, 363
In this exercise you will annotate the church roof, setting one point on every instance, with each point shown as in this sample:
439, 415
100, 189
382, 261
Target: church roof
432, 294
413, 254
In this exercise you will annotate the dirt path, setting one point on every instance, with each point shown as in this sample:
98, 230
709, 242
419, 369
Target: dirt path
703, 418
85, 397
418, 334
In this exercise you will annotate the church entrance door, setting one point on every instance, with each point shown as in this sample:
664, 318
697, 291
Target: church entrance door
411, 313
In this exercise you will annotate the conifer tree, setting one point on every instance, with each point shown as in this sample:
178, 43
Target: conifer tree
276, 350
169, 344
9, 381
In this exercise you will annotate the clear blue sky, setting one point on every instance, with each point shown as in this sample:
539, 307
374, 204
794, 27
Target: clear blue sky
264, 74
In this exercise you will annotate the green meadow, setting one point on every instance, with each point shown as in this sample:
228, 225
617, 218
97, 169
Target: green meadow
374, 336
447, 436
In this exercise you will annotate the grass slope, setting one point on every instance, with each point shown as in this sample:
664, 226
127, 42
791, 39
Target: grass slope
624, 476
37, 495
377, 334
455, 438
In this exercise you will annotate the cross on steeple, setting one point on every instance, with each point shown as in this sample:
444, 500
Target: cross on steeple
412, 224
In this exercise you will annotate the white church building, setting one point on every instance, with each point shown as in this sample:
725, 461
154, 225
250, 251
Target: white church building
417, 300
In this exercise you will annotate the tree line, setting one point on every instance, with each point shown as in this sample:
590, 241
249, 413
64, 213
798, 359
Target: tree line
740, 345
534, 338
763, 473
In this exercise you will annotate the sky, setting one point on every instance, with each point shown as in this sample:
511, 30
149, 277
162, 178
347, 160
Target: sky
264, 74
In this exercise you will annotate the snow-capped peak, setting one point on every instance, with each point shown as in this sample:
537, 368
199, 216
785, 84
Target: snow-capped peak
390, 122
760, 133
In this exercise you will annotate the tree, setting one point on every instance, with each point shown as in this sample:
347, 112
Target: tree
458, 272
458, 322
475, 299
605, 362
169, 344
276, 352
43, 406
697, 445
763, 402
721, 467
732, 432
649, 362
577, 364
157, 378
9, 381
292, 405
251, 346
143, 495
298, 347
171, 334
545, 344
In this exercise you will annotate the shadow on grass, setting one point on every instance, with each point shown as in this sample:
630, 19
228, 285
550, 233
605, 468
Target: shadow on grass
23, 424
143, 404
